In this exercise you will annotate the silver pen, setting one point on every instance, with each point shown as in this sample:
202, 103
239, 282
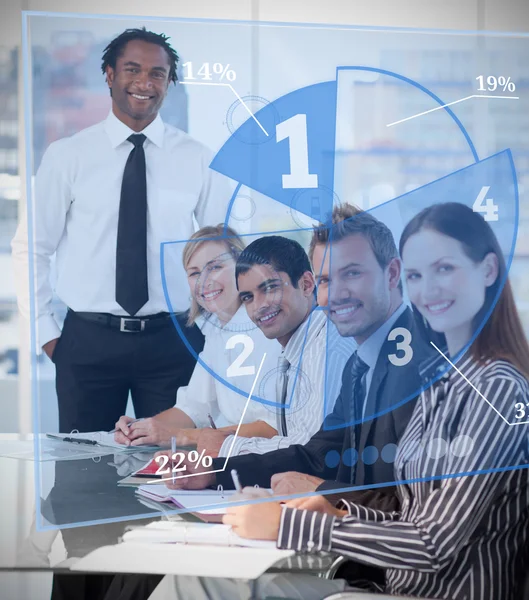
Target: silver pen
173, 452
236, 481
115, 430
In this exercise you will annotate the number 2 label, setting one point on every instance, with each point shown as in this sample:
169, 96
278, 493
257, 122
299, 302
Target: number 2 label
236, 369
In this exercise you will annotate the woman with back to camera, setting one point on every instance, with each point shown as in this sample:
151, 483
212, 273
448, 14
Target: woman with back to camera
455, 538
209, 259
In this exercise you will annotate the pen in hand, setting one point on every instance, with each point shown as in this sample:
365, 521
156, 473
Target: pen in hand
211, 422
248, 493
236, 481
116, 429
173, 452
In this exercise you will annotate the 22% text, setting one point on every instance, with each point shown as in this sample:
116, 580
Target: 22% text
178, 458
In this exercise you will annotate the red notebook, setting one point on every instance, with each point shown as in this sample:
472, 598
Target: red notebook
149, 470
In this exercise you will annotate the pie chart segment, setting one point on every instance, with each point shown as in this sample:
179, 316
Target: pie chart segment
296, 153
489, 188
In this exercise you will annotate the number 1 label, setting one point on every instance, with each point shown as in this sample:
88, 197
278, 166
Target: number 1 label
295, 129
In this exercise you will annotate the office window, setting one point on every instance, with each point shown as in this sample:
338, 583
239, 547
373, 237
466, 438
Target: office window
9, 198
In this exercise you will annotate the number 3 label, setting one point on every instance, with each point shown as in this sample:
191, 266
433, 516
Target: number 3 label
404, 346
236, 369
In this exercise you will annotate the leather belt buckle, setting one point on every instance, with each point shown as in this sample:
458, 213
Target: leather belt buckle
131, 325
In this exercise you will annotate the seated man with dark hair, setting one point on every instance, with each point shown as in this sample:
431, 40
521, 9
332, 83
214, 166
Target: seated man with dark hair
276, 285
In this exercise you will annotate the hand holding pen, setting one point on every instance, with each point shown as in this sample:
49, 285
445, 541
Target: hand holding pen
139, 432
252, 520
247, 493
123, 424
173, 452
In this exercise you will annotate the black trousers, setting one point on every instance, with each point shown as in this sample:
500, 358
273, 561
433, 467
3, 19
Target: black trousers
97, 366
86, 490
103, 587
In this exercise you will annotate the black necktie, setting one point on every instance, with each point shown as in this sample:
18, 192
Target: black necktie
358, 391
358, 370
131, 252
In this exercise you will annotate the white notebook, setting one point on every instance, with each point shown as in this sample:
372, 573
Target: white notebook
163, 493
170, 532
23, 448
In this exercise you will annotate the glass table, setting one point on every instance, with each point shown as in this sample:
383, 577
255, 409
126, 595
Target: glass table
80, 507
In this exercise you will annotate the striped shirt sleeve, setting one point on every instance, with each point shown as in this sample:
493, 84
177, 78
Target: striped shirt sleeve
448, 516
300, 431
365, 513
305, 530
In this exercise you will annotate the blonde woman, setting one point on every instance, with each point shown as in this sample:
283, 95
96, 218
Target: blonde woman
233, 345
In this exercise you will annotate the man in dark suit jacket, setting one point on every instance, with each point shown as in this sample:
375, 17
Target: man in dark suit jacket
373, 409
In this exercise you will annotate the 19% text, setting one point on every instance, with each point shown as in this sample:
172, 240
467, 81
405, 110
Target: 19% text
493, 83
178, 458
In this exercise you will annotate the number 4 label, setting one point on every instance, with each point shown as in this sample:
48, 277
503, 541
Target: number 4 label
489, 210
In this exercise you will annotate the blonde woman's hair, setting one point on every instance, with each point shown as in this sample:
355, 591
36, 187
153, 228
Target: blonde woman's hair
218, 233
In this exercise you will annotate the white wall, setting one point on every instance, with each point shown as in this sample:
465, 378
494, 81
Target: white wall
491, 15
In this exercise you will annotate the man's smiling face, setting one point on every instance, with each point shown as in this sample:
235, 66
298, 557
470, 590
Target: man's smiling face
359, 288
273, 303
139, 83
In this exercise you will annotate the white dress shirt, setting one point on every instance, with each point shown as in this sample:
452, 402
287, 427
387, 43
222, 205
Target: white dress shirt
306, 353
75, 216
206, 394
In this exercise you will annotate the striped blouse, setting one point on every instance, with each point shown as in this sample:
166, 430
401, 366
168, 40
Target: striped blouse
457, 536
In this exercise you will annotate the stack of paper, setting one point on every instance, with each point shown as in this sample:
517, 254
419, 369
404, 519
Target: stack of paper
179, 559
189, 499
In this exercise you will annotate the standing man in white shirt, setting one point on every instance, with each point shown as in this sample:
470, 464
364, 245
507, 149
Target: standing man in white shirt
105, 199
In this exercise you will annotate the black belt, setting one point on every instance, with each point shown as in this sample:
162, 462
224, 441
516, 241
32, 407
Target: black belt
126, 324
